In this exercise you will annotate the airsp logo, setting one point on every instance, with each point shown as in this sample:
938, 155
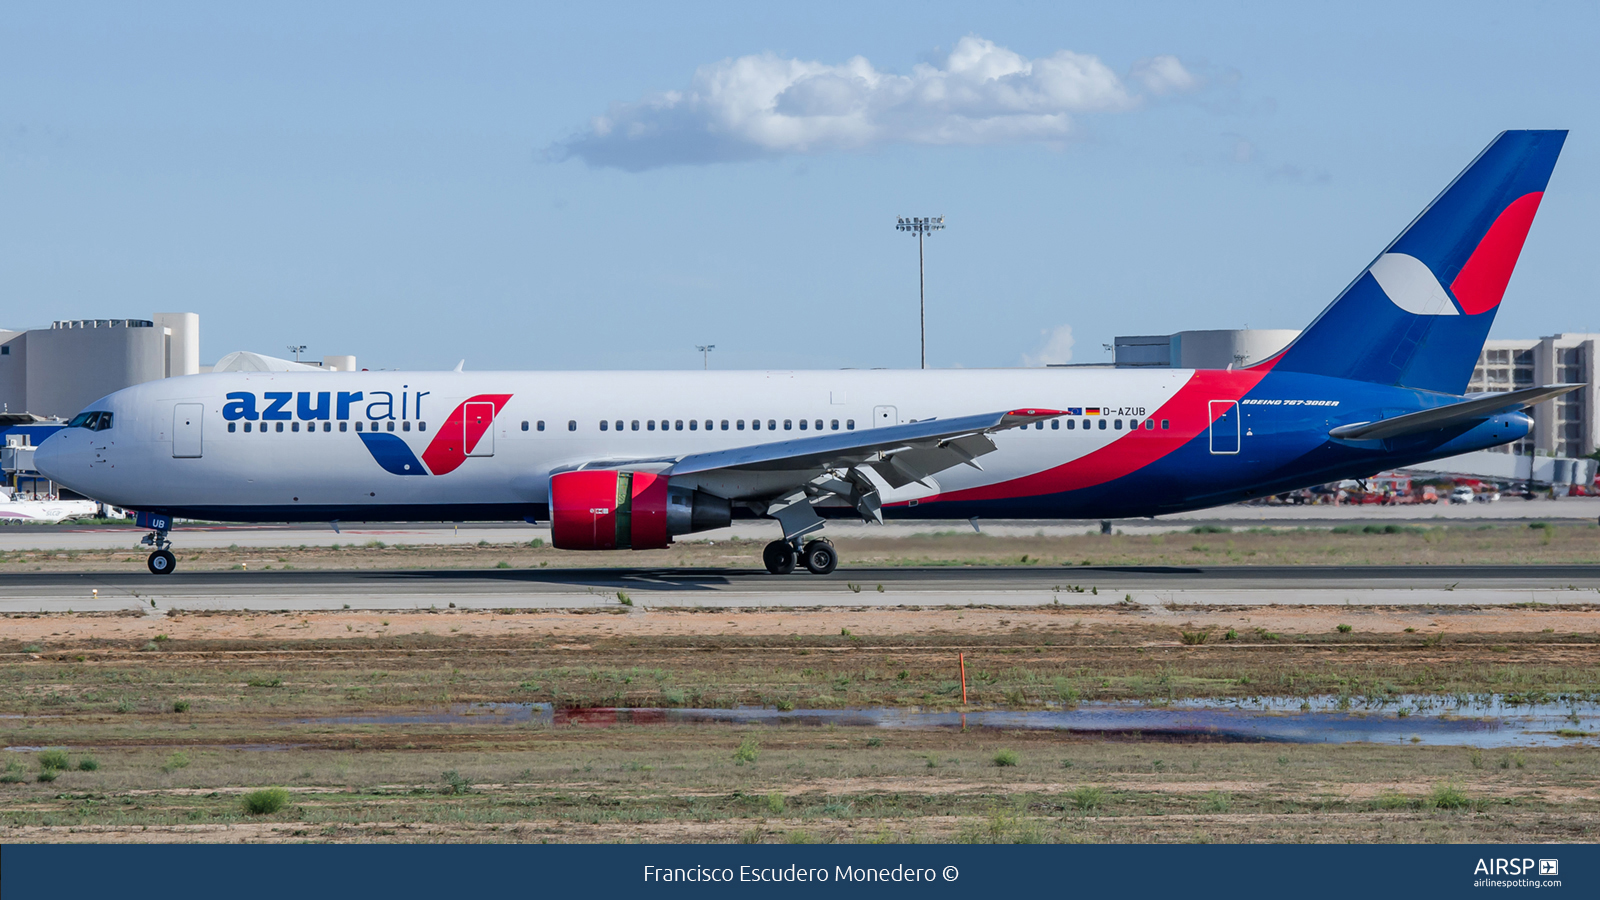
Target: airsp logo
1514, 867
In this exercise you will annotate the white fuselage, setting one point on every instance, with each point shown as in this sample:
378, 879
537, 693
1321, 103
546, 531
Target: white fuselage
176, 444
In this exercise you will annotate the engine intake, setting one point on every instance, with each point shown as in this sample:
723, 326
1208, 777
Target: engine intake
604, 509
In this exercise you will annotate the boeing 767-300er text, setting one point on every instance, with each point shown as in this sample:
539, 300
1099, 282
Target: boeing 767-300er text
630, 459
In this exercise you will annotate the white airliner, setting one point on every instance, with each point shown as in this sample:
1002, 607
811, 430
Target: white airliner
631, 459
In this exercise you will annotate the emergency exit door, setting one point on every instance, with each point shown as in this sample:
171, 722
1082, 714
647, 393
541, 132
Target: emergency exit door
186, 421
477, 421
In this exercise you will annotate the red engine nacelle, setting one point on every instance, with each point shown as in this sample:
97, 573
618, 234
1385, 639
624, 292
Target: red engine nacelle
604, 509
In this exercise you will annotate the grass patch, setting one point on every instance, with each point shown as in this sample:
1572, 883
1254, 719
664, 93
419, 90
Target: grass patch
747, 751
1087, 799
265, 801
1004, 758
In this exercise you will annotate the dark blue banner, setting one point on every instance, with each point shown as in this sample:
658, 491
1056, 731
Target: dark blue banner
1190, 872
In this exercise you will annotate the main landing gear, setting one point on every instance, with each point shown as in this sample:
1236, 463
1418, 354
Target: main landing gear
818, 557
161, 561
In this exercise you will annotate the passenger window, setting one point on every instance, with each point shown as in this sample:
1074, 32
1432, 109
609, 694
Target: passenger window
524, 424
619, 424
664, 424
1164, 424
819, 424
694, 424
677, 425
343, 426
538, 427
406, 425
650, 425
294, 426
788, 425
724, 424
1102, 424
1039, 425
572, 424
849, 424
772, 424
1118, 423
358, 426
423, 426
247, 427
708, 425
603, 424
391, 425
1055, 424
739, 426
279, 429
328, 426
231, 426
1149, 424
835, 425
1071, 424
635, 424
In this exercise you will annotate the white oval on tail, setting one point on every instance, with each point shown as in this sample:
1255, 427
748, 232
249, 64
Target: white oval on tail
1411, 285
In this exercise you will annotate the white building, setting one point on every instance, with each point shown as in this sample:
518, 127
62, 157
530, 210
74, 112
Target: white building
59, 370
1220, 349
1565, 426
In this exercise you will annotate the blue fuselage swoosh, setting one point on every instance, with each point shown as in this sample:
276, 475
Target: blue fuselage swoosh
393, 454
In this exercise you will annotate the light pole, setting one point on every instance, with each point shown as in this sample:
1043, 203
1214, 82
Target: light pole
921, 227
297, 349
705, 354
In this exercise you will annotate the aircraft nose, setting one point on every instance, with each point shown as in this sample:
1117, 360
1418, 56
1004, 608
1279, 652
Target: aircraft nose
51, 458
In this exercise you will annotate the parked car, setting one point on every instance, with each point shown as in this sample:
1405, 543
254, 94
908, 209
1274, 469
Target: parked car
1462, 494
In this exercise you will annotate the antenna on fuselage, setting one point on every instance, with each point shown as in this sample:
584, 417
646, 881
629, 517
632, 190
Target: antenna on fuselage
460, 366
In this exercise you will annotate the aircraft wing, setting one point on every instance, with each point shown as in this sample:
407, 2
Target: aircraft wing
1479, 407
786, 477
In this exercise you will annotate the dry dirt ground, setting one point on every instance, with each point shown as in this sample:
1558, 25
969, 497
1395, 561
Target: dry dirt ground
1361, 544
179, 716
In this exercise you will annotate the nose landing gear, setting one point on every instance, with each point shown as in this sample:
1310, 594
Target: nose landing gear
162, 560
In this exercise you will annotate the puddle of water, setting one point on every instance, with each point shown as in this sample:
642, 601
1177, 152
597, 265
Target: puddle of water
1487, 721
456, 714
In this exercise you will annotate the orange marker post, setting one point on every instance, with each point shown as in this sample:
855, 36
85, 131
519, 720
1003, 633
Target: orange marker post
963, 658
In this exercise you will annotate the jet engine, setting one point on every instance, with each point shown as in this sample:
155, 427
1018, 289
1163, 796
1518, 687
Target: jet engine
604, 509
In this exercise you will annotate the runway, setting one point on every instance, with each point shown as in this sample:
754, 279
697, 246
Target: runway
646, 589
1508, 512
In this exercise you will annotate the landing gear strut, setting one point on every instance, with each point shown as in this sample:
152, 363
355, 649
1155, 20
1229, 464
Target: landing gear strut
161, 561
818, 557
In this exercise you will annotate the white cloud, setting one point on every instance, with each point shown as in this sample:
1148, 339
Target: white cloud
1057, 348
763, 106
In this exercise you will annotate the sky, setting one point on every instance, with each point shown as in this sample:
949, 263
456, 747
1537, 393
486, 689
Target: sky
609, 186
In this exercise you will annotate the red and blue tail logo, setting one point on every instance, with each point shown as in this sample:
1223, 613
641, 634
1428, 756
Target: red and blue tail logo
462, 435
1418, 316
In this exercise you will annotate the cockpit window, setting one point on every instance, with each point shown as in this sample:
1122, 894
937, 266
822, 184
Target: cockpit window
94, 421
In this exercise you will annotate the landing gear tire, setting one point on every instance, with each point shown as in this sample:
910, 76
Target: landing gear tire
162, 562
820, 558
778, 558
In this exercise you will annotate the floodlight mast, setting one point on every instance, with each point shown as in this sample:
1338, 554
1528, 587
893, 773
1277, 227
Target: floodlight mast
705, 354
921, 226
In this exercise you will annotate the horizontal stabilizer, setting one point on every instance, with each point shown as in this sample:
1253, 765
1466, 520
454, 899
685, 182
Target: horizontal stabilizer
1443, 416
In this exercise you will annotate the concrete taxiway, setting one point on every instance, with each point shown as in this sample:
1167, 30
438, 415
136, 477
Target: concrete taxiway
644, 589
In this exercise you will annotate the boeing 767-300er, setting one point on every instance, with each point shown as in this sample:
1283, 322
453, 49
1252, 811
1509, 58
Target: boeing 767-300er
616, 460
